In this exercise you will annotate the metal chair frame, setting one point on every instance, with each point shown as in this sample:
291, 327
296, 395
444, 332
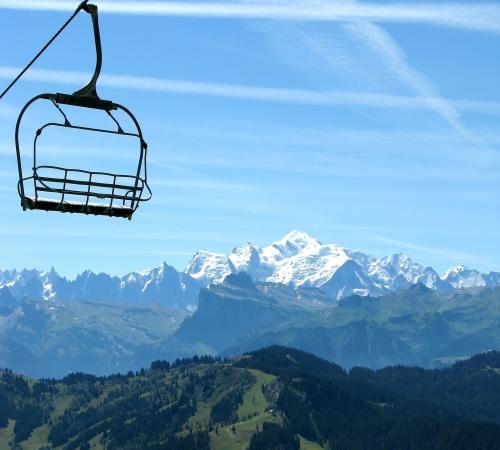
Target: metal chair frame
135, 189
67, 184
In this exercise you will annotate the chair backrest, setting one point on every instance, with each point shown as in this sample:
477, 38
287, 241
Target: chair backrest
87, 188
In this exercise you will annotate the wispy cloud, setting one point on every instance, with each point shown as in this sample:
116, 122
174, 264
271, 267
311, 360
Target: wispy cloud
453, 256
479, 17
393, 57
363, 51
258, 93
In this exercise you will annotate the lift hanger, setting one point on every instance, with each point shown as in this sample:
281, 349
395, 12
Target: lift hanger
62, 189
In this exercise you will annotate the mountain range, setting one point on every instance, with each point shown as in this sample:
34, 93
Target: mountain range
296, 260
342, 305
162, 285
415, 326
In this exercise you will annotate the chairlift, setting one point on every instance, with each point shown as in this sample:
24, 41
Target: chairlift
50, 187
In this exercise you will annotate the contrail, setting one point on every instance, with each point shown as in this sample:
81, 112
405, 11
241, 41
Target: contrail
242, 92
394, 58
478, 17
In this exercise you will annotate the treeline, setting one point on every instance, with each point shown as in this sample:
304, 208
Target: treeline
179, 362
25, 405
145, 410
397, 407
150, 409
158, 408
275, 437
470, 389
225, 411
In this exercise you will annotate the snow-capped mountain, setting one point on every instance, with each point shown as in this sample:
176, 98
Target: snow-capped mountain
163, 285
296, 260
400, 272
209, 267
461, 277
301, 260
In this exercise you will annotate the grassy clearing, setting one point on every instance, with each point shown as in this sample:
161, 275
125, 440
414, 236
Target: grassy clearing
254, 401
38, 438
60, 404
227, 439
308, 445
202, 415
7, 434
95, 443
252, 414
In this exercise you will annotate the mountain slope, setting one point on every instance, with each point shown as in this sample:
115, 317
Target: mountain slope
417, 326
274, 398
232, 311
364, 409
50, 339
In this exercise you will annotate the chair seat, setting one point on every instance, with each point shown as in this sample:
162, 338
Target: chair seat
96, 209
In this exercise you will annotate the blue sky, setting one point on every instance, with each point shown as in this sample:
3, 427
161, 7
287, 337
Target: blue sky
372, 125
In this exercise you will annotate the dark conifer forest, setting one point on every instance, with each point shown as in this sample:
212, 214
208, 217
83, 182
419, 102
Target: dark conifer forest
273, 399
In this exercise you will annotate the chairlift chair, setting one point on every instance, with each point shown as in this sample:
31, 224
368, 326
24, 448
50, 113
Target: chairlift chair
98, 193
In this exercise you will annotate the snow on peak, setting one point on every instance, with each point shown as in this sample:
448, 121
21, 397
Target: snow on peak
297, 259
271, 263
398, 271
245, 254
298, 238
454, 271
461, 277
314, 265
399, 260
291, 244
251, 259
209, 267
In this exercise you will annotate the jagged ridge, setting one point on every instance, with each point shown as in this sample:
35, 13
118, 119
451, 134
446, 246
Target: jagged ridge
297, 259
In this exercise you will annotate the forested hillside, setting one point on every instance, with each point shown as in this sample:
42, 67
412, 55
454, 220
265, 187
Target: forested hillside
275, 398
